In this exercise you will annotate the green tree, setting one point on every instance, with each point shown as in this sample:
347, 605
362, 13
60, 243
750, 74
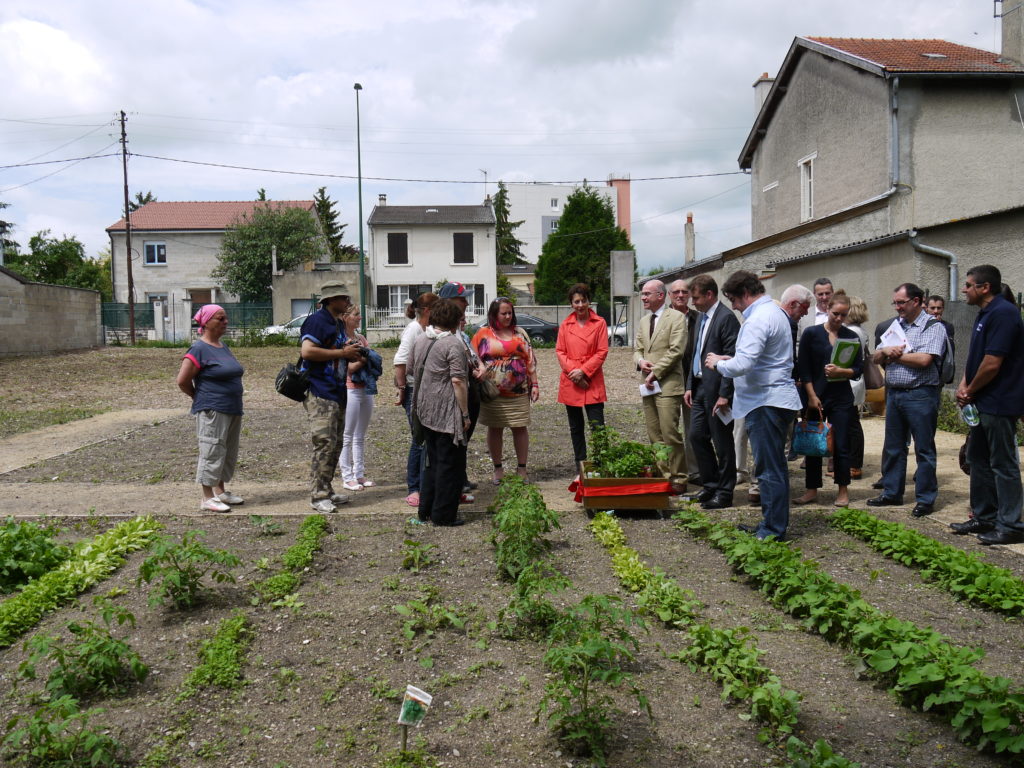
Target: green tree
140, 200
261, 195
509, 247
579, 250
8, 247
505, 287
60, 262
245, 251
333, 231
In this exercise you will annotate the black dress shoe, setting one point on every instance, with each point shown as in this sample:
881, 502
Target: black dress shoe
1000, 537
452, 524
974, 525
878, 484
719, 501
701, 498
920, 510
885, 501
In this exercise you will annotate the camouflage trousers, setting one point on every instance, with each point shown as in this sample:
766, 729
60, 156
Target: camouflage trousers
326, 428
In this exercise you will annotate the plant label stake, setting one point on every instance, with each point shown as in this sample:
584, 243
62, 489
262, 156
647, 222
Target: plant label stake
414, 708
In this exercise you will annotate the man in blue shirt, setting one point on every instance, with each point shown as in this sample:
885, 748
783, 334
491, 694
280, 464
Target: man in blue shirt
324, 347
993, 381
764, 392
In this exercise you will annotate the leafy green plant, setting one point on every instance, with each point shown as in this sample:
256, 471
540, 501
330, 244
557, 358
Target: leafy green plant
426, 617
521, 519
276, 587
920, 666
91, 562
27, 551
221, 657
964, 575
177, 569
530, 610
265, 526
590, 643
613, 456
307, 541
417, 555
93, 661
57, 735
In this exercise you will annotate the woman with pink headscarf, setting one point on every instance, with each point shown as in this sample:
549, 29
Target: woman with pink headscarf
212, 377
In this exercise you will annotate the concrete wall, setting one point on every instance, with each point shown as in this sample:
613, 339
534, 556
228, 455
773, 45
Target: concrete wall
191, 256
305, 284
966, 155
36, 318
431, 252
996, 240
838, 112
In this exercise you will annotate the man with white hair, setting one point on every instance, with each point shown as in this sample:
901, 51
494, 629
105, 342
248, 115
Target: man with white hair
679, 297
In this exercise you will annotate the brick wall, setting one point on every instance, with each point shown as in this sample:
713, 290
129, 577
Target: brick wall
37, 318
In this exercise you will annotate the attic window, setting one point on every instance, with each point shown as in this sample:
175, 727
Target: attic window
934, 55
431, 210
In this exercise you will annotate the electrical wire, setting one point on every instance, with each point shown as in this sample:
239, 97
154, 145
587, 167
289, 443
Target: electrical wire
71, 164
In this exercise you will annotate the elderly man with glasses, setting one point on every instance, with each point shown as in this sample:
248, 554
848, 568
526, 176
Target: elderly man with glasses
909, 352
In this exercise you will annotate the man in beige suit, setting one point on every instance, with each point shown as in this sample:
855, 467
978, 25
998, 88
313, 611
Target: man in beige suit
660, 344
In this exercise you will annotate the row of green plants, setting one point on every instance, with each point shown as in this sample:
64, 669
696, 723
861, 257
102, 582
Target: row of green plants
729, 656
90, 562
922, 668
589, 644
964, 575
27, 551
278, 587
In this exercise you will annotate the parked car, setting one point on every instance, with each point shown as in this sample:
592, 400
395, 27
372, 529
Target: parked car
289, 329
537, 329
618, 336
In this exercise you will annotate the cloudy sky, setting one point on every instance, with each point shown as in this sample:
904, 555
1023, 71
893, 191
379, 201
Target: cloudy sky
525, 91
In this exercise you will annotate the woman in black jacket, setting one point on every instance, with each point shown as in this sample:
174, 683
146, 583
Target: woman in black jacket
828, 389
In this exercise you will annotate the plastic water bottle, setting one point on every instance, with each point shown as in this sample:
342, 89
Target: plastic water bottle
969, 413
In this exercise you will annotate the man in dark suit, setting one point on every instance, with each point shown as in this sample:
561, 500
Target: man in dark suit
708, 393
679, 297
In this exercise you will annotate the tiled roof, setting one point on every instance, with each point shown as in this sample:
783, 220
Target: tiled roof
920, 55
217, 215
400, 215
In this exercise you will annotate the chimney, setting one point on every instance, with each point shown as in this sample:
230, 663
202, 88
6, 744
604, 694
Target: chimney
690, 254
1012, 21
382, 200
761, 88
623, 216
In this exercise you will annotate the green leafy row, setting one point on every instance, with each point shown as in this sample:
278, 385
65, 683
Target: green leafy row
91, 562
964, 575
221, 656
296, 558
520, 521
728, 655
27, 551
923, 668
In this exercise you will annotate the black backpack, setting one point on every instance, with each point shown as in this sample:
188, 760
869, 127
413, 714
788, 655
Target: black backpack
946, 364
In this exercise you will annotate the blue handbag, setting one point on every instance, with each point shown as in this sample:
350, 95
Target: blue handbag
813, 438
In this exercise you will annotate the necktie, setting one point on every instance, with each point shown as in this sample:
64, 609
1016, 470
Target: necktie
650, 334
697, 346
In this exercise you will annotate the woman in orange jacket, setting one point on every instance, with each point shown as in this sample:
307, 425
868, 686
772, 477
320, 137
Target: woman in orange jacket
582, 347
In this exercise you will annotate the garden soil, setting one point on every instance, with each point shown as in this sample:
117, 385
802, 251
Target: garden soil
323, 676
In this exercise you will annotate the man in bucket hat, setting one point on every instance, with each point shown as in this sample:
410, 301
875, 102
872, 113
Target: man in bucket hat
325, 355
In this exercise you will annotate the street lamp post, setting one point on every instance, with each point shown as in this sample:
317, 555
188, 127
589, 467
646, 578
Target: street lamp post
362, 258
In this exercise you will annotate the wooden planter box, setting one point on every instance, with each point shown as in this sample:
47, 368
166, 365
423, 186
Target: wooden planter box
593, 499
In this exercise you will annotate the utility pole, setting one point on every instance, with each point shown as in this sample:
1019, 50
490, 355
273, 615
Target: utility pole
128, 232
362, 258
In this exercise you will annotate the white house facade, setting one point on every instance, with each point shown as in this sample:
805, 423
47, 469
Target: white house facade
413, 247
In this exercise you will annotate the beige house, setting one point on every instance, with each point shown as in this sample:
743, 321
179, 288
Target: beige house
876, 162
174, 250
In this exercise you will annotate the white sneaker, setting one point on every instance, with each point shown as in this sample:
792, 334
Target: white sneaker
339, 498
214, 505
324, 506
352, 485
366, 483
229, 498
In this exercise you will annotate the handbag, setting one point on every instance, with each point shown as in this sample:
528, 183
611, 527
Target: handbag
292, 381
487, 389
872, 374
813, 438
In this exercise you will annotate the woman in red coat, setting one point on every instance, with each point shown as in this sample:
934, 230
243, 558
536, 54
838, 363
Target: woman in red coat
582, 347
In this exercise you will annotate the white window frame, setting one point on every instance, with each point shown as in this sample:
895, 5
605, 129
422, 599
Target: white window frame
554, 225
554, 203
159, 250
397, 294
806, 168
472, 248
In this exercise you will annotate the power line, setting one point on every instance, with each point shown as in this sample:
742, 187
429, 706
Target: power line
65, 160
71, 164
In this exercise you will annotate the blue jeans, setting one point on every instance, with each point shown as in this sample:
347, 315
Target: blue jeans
910, 413
995, 473
414, 462
768, 429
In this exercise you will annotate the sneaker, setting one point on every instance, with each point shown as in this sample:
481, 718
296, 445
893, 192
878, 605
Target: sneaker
467, 498
352, 485
214, 505
229, 498
324, 506
339, 498
366, 483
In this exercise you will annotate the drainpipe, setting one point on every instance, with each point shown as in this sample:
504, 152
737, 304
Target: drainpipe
954, 278
894, 160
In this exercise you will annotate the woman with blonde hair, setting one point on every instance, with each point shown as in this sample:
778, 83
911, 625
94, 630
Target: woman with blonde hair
855, 321
361, 384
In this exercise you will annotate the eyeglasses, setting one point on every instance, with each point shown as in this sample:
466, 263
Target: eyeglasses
901, 302
968, 286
